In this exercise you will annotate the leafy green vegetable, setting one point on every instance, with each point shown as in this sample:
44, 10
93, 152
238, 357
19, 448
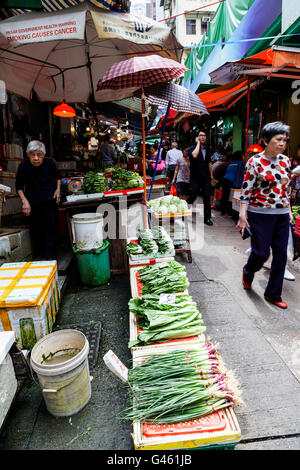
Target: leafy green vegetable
94, 182
134, 249
162, 322
177, 386
124, 179
163, 278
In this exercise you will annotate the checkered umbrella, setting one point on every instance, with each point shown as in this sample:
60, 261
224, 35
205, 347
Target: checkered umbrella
181, 99
141, 71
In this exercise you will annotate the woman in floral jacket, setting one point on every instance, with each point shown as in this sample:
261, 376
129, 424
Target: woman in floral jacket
265, 209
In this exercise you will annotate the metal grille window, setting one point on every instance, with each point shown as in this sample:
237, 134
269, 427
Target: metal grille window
190, 26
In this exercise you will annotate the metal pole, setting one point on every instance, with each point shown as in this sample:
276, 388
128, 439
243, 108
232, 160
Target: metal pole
248, 116
160, 144
144, 159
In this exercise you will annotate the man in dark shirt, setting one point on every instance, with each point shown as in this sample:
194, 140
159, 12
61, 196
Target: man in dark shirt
38, 185
108, 153
201, 174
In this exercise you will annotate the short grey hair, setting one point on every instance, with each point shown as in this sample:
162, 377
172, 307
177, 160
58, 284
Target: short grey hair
274, 128
36, 145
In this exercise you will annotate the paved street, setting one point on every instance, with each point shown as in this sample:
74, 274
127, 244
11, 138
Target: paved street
259, 342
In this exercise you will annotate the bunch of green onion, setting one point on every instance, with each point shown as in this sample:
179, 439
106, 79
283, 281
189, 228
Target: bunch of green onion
177, 386
163, 278
162, 322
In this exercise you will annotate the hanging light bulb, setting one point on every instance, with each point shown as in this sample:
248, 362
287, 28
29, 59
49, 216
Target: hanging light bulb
87, 129
64, 110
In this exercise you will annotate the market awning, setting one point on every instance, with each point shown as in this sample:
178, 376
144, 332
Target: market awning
55, 5
252, 25
222, 98
281, 62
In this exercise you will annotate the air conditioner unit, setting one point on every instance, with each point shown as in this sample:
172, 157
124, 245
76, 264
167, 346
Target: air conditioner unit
205, 19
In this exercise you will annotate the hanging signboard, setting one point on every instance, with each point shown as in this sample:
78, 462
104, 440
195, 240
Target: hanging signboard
290, 13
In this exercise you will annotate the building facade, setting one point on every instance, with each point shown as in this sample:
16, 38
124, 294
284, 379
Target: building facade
189, 20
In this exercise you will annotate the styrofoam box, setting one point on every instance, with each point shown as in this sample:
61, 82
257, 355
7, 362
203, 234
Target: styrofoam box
30, 323
80, 197
194, 434
149, 261
234, 193
235, 204
67, 165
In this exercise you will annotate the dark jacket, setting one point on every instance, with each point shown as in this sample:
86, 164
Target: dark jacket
38, 183
200, 166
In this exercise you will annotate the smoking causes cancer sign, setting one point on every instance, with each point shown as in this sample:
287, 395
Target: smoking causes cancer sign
38, 30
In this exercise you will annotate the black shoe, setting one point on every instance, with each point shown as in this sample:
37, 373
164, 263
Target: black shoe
208, 222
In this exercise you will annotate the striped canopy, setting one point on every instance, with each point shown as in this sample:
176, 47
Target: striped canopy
181, 99
55, 5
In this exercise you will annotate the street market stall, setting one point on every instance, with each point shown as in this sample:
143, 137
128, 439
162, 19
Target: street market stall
171, 404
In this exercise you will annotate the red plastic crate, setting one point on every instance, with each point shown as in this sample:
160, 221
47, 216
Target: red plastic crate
297, 224
209, 423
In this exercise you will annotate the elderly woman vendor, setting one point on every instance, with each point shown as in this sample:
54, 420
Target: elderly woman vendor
38, 185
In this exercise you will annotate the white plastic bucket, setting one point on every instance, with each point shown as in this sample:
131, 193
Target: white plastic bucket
88, 231
65, 382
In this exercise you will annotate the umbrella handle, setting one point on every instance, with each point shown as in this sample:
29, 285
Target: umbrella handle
160, 144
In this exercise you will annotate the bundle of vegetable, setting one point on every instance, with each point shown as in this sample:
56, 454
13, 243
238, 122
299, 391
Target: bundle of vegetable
134, 249
163, 240
124, 179
295, 212
179, 386
168, 205
94, 182
147, 242
161, 278
162, 322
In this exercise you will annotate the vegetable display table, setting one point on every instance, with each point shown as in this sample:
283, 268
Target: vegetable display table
171, 218
117, 246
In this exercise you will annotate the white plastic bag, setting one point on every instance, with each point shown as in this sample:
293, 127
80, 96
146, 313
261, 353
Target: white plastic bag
290, 247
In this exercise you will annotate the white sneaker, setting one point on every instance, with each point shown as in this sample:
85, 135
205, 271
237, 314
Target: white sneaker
288, 276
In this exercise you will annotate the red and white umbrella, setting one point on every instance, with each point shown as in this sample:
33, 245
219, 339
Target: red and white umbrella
140, 72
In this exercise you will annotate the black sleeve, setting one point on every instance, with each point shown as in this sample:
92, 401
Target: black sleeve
56, 172
20, 178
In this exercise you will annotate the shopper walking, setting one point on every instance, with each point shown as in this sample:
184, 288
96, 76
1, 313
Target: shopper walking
38, 184
201, 174
265, 209
233, 178
171, 160
182, 174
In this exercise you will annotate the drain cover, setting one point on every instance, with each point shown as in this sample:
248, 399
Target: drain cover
92, 331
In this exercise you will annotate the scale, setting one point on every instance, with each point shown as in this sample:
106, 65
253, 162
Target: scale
74, 186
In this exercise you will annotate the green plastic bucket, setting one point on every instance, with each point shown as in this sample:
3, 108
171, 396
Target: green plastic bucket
94, 265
